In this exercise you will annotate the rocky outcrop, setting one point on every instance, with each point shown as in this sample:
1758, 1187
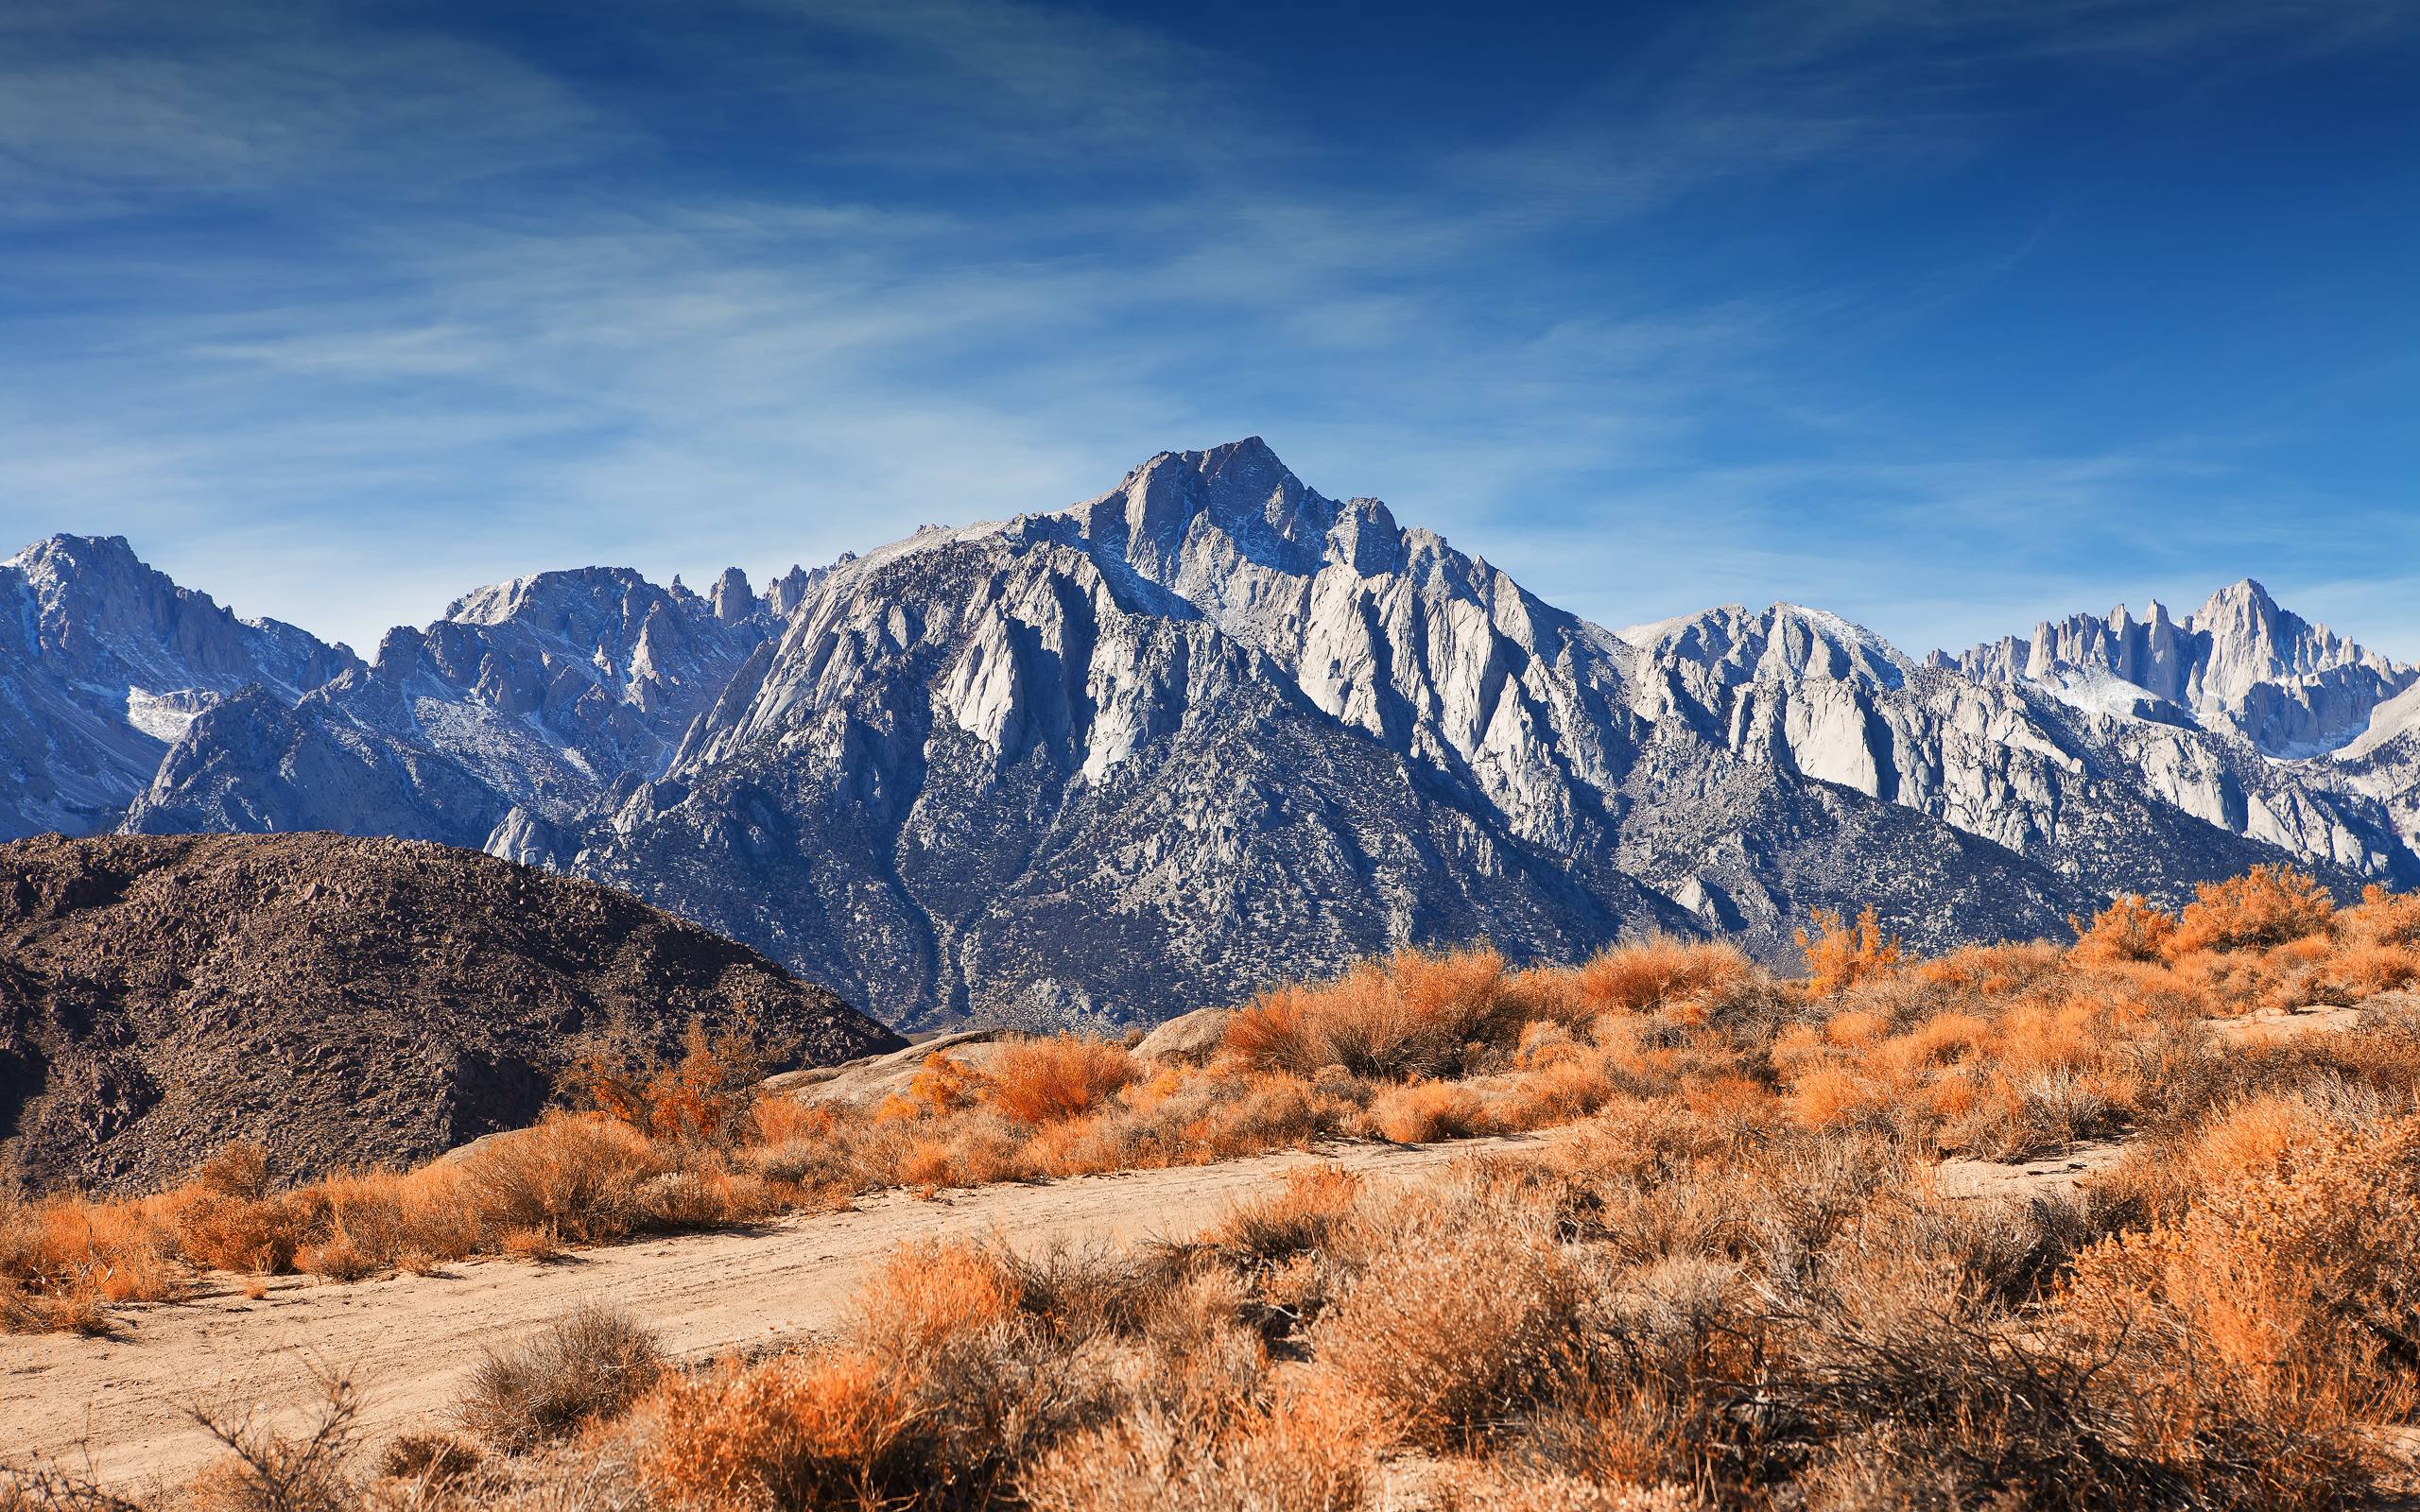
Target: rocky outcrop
1188, 1039
342, 1001
553, 687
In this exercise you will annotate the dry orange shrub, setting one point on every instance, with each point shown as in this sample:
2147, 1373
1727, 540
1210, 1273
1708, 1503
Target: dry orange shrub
1046, 1081
925, 1293
1642, 977
783, 1119
2128, 929
1447, 1331
1305, 1452
2283, 1292
1830, 1096
2382, 918
700, 1096
2267, 906
1419, 1113
1992, 971
1297, 1217
2366, 970
1839, 955
794, 1431
942, 1084
1413, 1014
1856, 1028
1551, 1091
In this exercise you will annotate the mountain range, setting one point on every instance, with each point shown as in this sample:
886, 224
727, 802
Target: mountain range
1211, 728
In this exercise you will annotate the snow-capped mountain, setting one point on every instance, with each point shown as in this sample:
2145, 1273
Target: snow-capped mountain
1212, 727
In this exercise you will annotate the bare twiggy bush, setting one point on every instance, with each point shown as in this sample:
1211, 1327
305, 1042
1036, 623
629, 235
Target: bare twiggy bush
43, 1487
587, 1365
270, 1471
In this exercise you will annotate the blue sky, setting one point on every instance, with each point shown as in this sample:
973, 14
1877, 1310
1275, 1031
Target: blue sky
1946, 315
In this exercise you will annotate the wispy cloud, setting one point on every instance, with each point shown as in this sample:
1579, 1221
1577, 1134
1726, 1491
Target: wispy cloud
339, 314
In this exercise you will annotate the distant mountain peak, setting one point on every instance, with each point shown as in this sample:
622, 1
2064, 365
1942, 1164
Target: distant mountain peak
2244, 664
86, 550
2243, 606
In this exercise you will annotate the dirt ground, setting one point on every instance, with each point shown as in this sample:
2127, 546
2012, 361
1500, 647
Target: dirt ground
119, 1404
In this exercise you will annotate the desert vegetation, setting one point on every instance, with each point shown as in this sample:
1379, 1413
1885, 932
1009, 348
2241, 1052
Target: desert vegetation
1998, 1052
1732, 1278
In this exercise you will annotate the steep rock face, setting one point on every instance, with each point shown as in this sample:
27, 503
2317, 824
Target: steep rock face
343, 1002
103, 661
2116, 800
552, 688
2241, 665
1437, 655
1004, 775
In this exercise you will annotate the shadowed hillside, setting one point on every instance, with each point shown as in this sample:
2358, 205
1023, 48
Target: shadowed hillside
341, 1002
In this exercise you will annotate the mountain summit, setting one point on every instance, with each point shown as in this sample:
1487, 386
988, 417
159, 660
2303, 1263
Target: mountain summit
1212, 727
2240, 663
